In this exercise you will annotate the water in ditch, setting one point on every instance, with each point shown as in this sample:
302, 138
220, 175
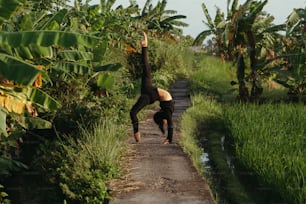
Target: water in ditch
230, 181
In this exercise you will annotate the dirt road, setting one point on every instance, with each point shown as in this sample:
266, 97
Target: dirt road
157, 173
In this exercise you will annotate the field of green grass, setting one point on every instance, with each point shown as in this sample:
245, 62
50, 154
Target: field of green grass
267, 140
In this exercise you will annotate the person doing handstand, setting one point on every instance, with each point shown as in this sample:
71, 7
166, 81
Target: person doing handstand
150, 94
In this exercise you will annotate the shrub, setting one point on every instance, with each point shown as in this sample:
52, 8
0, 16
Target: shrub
82, 165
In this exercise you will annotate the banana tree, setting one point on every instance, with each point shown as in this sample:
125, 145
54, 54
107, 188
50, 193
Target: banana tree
241, 35
291, 73
28, 54
161, 21
216, 28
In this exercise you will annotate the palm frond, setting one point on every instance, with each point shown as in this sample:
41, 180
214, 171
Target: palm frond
201, 37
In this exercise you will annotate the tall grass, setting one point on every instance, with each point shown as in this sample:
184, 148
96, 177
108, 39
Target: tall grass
212, 77
202, 126
82, 165
104, 143
191, 124
270, 140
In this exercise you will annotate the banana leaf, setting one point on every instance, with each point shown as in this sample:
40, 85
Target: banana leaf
41, 52
33, 51
24, 53
58, 18
99, 51
8, 165
29, 122
7, 8
75, 55
18, 71
42, 99
47, 38
69, 67
109, 67
105, 80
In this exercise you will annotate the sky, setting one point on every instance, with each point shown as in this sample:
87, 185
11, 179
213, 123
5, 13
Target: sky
192, 9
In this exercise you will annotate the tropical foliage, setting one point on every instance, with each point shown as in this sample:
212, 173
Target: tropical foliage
250, 149
249, 32
58, 70
65, 64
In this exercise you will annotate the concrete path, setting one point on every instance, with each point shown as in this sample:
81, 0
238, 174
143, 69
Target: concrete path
157, 173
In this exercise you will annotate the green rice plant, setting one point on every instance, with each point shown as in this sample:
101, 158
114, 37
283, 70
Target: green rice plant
203, 121
213, 77
190, 133
269, 139
191, 124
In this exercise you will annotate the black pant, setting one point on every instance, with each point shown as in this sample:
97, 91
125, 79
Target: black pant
166, 111
143, 100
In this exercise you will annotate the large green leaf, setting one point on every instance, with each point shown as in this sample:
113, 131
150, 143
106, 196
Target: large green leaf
210, 22
99, 51
7, 8
69, 67
33, 51
201, 37
18, 71
23, 52
47, 38
107, 67
75, 55
58, 18
8, 165
41, 52
39, 97
105, 80
33, 122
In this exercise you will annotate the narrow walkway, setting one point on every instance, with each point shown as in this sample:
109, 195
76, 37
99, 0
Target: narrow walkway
160, 173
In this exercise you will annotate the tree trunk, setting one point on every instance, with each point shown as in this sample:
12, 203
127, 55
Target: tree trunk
243, 90
256, 90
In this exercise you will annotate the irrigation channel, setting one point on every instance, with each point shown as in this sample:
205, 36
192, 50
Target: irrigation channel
228, 179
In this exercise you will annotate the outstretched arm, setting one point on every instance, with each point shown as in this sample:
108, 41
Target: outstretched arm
144, 41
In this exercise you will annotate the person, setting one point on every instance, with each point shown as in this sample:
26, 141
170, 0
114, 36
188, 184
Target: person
150, 94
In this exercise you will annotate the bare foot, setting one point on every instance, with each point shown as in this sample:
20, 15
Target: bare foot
137, 137
166, 141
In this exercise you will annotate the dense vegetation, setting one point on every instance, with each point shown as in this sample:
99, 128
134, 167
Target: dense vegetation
69, 74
